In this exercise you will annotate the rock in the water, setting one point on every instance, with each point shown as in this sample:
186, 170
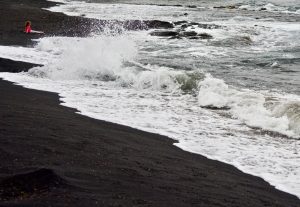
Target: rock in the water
180, 22
182, 34
194, 38
164, 33
189, 33
205, 36
231, 7
192, 6
225, 7
156, 24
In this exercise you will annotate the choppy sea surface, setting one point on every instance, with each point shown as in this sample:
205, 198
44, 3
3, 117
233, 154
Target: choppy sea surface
233, 96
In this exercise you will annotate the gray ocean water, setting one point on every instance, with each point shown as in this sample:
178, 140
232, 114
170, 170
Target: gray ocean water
277, 68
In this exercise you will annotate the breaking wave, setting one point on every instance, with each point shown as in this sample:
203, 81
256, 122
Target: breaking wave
108, 58
114, 59
272, 112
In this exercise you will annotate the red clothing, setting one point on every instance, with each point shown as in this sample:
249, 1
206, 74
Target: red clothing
28, 29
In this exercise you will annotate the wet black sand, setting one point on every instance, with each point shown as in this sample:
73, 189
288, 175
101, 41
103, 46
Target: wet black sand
51, 156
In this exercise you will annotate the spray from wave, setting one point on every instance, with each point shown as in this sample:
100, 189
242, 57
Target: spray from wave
102, 58
95, 57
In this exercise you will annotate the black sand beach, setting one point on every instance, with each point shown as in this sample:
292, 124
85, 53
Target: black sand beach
51, 156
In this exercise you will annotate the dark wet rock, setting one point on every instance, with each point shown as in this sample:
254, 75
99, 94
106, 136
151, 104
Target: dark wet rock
164, 33
194, 38
182, 34
211, 107
205, 36
180, 22
219, 7
175, 5
191, 6
246, 38
189, 33
29, 184
156, 24
225, 7
262, 64
231, 7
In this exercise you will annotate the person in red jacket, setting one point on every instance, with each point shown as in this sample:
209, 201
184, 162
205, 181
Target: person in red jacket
27, 27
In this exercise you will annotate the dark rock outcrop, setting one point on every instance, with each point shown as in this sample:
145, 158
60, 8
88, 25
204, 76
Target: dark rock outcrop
205, 36
164, 33
182, 34
25, 185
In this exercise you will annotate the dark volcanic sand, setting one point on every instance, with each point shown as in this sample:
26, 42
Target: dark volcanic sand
51, 156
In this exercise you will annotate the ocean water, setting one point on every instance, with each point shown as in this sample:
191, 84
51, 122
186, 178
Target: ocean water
234, 97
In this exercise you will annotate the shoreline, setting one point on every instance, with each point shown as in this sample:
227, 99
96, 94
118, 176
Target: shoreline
51, 154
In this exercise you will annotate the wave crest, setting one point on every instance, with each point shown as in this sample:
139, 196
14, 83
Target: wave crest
274, 113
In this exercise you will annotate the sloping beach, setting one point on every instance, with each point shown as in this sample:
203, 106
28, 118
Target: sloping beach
52, 156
